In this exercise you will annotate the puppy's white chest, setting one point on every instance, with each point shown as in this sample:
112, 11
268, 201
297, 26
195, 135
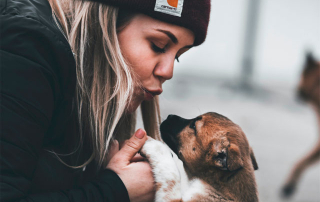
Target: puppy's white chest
195, 188
165, 170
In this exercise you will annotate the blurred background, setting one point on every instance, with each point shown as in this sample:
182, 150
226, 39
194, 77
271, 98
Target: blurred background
248, 70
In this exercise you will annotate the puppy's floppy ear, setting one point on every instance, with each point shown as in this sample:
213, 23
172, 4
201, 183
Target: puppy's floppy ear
253, 159
234, 160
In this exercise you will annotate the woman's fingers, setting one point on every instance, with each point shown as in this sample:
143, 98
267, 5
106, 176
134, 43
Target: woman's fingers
137, 158
131, 147
135, 173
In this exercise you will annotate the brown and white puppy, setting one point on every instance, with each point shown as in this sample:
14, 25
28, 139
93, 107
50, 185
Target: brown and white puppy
309, 91
218, 163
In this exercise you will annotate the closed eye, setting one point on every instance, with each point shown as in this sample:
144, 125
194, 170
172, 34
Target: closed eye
157, 49
161, 50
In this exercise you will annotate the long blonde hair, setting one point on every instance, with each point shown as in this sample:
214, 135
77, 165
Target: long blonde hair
105, 83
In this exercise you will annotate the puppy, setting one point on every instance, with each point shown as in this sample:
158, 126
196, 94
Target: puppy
309, 91
218, 164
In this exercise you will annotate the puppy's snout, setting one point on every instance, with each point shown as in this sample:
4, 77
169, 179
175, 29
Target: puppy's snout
171, 116
174, 118
173, 124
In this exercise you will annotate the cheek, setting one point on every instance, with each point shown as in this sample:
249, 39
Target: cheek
138, 55
191, 158
189, 150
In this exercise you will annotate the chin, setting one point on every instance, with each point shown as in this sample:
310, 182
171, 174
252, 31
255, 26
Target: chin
133, 106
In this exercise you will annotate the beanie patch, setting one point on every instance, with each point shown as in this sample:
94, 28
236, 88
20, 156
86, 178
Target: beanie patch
171, 7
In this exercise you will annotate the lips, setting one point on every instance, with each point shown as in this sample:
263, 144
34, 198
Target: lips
151, 93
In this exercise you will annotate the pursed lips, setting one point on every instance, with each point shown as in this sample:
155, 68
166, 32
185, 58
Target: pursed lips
153, 92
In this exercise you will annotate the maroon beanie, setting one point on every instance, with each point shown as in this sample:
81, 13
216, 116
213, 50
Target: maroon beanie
191, 14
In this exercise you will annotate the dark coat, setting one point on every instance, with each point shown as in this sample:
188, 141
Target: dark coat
37, 113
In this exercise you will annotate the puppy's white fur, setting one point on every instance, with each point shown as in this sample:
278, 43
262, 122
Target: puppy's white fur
164, 169
171, 179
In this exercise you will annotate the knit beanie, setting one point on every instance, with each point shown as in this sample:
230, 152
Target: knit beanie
191, 14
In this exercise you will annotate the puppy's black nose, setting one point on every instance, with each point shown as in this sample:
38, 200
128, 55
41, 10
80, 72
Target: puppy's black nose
173, 124
172, 117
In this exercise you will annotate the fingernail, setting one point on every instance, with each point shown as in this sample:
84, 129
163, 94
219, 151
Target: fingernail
140, 134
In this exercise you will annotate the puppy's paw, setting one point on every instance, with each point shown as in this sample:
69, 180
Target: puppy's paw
153, 149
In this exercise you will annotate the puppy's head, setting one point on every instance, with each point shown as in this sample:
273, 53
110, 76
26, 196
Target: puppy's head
210, 141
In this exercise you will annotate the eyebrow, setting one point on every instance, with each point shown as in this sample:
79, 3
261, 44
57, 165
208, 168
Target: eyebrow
170, 35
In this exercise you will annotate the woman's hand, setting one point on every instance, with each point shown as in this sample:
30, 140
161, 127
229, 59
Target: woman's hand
136, 175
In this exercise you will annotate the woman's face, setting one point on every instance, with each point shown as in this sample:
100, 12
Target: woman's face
150, 47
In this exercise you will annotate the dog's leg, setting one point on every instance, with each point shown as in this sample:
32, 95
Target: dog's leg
301, 166
165, 171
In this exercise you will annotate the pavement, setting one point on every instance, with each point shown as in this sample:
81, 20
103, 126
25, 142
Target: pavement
279, 129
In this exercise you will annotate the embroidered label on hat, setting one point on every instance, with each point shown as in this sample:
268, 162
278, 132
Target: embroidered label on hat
171, 7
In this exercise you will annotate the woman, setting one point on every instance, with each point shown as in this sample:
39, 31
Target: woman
73, 75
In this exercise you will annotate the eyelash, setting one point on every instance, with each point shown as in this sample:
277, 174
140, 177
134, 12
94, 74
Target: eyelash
157, 49
161, 50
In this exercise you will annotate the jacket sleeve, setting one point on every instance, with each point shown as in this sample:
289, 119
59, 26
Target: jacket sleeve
29, 90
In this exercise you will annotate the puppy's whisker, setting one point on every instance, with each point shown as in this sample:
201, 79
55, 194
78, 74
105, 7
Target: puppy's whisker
199, 110
162, 119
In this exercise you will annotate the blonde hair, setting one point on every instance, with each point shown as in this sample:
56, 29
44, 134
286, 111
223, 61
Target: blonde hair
105, 83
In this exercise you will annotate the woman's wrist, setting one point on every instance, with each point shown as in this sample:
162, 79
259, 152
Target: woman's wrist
112, 183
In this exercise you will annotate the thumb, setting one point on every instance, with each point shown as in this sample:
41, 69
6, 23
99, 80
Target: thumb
132, 146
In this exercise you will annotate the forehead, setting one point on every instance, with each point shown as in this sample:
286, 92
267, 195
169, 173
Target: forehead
146, 24
217, 124
217, 119
213, 125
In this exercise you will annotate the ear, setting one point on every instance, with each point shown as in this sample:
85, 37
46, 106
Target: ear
309, 58
234, 160
310, 61
253, 159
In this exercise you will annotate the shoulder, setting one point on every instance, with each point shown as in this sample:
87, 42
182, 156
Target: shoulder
28, 32
37, 12
32, 19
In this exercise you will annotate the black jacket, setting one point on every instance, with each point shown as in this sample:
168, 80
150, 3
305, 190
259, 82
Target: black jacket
37, 113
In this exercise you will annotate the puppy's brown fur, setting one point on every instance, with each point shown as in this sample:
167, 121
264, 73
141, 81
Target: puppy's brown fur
309, 91
216, 150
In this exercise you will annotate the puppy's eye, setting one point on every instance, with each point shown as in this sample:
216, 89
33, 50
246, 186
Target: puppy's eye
193, 125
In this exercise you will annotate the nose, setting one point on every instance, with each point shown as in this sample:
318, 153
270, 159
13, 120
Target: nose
164, 69
174, 124
177, 120
171, 116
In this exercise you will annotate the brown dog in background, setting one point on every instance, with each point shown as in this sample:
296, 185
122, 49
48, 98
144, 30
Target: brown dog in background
309, 91
217, 161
